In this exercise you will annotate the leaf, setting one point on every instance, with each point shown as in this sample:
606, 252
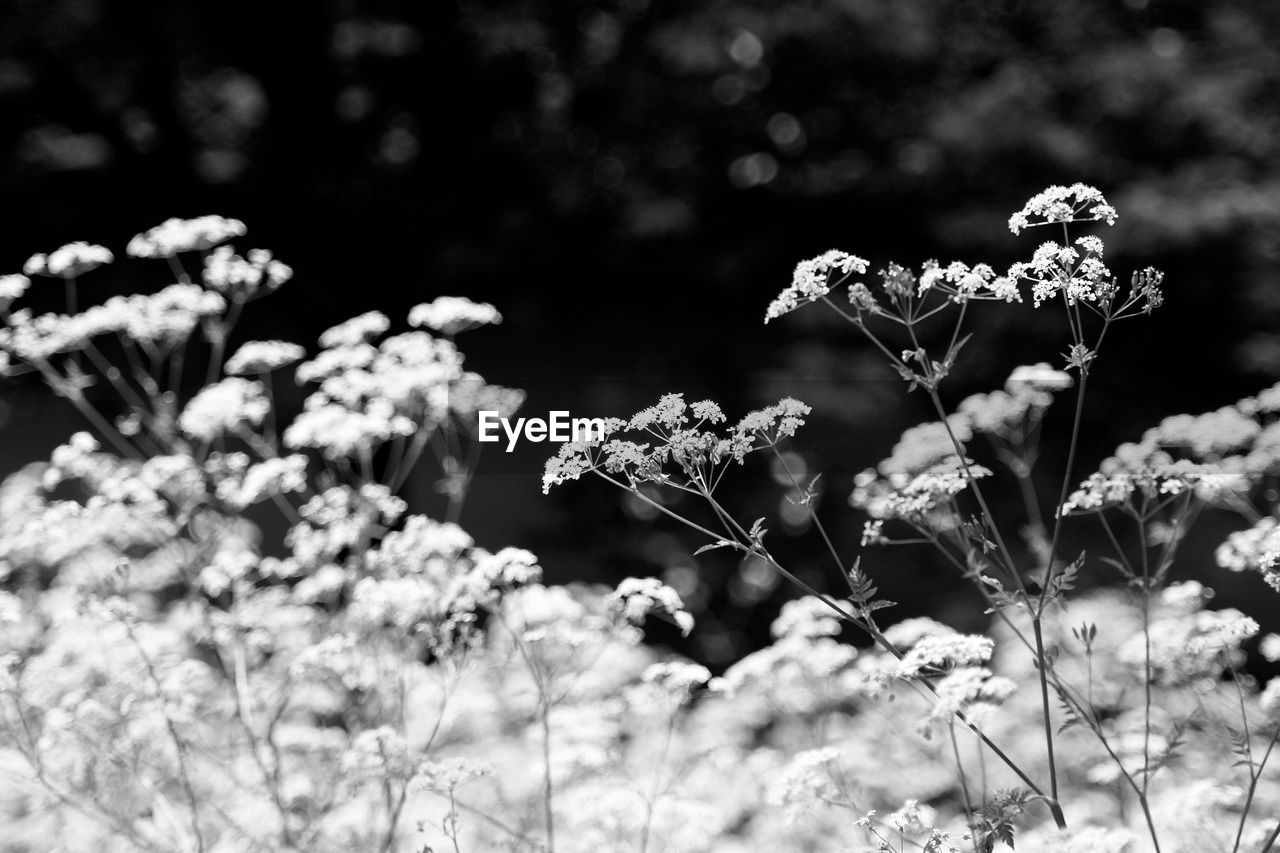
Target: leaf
1241, 747
1118, 566
722, 543
1062, 581
956, 347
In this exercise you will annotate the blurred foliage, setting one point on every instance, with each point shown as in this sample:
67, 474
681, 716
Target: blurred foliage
631, 182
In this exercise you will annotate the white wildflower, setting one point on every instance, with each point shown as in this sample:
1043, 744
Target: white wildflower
224, 407
13, 286
453, 314
806, 783
357, 330
242, 278
1076, 203
174, 236
937, 654
450, 774
813, 279
809, 617
1037, 377
636, 598
263, 356
339, 432
69, 261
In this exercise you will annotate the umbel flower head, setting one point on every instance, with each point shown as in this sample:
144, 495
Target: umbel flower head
13, 286
453, 314
174, 236
69, 261
813, 279
682, 445
1074, 270
1076, 203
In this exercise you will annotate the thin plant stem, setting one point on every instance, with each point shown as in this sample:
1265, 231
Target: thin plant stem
964, 781
1254, 776
870, 627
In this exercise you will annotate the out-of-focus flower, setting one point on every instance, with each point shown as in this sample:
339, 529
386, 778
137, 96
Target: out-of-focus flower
263, 356
13, 286
636, 598
356, 331
453, 314
69, 261
243, 278
174, 236
224, 407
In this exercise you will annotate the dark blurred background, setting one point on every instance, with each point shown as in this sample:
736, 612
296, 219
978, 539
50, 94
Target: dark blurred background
631, 182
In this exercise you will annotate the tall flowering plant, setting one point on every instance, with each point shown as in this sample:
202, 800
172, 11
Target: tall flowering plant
1160, 688
168, 681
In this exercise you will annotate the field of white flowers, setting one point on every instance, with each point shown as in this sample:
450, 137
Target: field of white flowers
169, 681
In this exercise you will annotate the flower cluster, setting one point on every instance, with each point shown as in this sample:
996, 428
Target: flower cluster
814, 279
683, 439
263, 357
69, 261
1056, 268
960, 281
1217, 456
636, 598
156, 322
175, 236
1013, 413
914, 498
1187, 642
224, 407
243, 278
452, 314
1058, 204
